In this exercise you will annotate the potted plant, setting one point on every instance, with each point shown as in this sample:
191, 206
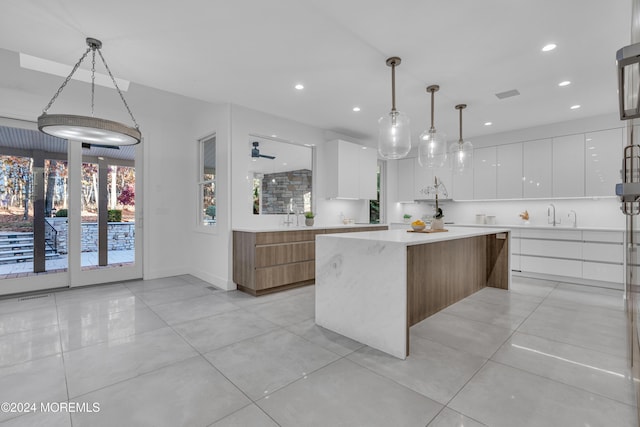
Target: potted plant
308, 218
407, 218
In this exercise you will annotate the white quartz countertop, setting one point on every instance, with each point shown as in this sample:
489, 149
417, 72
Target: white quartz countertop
403, 237
258, 229
538, 227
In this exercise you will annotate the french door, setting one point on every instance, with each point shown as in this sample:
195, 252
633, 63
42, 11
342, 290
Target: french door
70, 214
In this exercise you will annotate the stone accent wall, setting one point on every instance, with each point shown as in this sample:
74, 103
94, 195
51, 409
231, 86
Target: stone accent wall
120, 235
288, 185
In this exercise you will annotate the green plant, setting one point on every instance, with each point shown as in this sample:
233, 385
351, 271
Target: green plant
406, 216
114, 215
309, 214
211, 211
62, 213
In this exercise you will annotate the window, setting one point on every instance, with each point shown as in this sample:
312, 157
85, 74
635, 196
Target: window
376, 207
207, 181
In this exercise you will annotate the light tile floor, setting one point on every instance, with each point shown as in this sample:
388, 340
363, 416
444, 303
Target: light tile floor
172, 352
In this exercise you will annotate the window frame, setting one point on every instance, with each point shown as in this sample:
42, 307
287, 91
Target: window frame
201, 183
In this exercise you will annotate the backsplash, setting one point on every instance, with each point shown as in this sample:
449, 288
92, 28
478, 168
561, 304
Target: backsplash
598, 212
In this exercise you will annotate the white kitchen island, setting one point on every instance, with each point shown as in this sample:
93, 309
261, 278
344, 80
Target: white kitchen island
373, 286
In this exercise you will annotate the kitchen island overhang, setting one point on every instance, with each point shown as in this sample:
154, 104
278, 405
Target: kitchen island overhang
373, 286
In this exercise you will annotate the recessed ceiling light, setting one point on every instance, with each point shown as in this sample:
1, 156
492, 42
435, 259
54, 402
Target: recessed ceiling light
549, 47
284, 164
564, 83
575, 107
488, 123
364, 148
356, 109
299, 86
274, 136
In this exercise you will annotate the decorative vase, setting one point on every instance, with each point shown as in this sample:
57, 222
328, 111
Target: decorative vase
308, 222
407, 220
437, 224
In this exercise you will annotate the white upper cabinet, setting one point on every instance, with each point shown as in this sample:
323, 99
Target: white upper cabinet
368, 173
406, 180
351, 171
424, 181
509, 171
568, 166
603, 161
537, 168
462, 185
484, 173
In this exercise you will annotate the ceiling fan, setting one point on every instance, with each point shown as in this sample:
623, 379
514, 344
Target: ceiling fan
255, 152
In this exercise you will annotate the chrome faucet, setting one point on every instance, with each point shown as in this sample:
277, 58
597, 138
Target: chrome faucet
575, 218
551, 214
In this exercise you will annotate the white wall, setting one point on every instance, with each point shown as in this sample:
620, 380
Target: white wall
210, 247
591, 212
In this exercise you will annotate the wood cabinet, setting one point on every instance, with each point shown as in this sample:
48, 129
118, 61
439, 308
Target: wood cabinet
272, 261
350, 170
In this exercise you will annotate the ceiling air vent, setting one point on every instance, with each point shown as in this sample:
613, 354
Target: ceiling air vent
508, 94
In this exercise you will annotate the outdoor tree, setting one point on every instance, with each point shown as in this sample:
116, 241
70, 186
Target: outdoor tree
127, 196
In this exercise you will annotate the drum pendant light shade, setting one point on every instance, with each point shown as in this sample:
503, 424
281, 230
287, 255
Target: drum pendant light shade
394, 136
89, 129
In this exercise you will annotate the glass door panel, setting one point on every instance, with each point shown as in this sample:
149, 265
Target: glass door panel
32, 191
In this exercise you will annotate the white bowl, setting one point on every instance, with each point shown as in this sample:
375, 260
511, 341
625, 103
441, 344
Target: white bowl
418, 227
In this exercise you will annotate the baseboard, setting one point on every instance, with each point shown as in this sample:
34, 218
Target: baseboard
217, 281
574, 280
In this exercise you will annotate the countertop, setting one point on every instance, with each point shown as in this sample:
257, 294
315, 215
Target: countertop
403, 237
258, 229
538, 227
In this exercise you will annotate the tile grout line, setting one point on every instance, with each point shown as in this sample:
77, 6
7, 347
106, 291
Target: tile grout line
490, 358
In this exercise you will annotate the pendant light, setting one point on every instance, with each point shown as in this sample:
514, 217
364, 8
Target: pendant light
91, 129
461, 151
394, 138
432, 150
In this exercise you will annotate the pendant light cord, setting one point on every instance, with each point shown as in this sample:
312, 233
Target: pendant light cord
432, 111
93, 80
460, 140
94, 48
393, 87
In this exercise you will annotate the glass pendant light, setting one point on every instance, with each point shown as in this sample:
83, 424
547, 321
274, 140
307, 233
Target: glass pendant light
89, 129
394, 138
461, 151
432, 150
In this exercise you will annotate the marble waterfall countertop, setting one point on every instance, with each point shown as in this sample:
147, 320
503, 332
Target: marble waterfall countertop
406, 238
364, 290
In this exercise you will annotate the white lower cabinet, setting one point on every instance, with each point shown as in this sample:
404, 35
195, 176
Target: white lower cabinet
603, 272
589, 255
553, 266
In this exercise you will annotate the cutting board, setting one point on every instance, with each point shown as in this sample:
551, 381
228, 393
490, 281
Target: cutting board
427, 230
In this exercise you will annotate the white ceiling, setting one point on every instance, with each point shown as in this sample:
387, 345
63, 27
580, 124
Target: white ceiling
252, 53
